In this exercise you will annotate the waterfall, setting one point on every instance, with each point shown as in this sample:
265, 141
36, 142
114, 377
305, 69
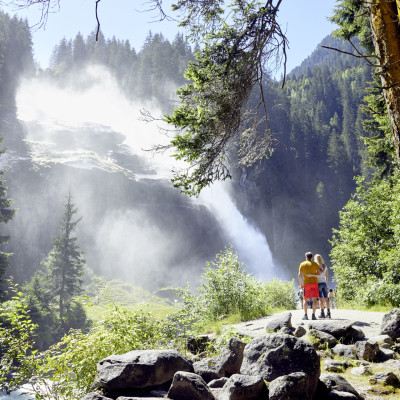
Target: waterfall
102, 104
250, 244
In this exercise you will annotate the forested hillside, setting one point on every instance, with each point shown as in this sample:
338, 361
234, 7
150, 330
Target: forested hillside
296, 194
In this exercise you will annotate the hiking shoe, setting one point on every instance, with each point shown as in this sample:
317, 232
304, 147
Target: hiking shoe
322, 315
313, 317
305, 316
328, 314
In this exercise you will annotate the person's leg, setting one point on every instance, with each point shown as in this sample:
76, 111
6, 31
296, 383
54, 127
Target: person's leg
314, 295
328, 308
305, 300
314, 306
322, 295
323, 292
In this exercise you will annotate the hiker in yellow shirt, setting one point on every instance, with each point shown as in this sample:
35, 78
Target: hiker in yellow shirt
308, 272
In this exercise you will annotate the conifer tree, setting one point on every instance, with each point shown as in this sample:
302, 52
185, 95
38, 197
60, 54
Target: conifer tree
65, 264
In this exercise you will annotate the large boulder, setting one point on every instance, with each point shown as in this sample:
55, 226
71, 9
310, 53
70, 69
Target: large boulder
367, 350
342, 330
335, 365
95, 396
346, 351
278, 322
391, 323
321, 339
187, 385
290, 387
231, 357
275, 355
208, 368
244, 387
140, 369
333, 385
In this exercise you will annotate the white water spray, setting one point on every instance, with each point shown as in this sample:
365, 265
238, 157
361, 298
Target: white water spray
102, 103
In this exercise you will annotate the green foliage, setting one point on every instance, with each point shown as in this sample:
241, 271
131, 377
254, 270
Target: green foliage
381, 293
352, 18
228, 290
17, 331
214, 105
72, 362
365, 246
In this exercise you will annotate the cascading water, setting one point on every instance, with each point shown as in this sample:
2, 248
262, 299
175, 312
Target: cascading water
250, 243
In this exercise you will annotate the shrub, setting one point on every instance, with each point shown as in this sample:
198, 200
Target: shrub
228, 290
381, 293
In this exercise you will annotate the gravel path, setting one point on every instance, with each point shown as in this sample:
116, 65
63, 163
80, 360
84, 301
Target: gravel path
368, 321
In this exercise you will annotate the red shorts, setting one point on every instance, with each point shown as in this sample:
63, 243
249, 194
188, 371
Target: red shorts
311, 290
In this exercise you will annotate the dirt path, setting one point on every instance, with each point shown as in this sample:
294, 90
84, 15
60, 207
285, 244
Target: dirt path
368, 321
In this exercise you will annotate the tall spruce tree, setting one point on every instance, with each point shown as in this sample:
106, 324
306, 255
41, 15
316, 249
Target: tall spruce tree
65, 264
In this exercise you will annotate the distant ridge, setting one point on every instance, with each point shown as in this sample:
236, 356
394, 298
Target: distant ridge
329, 58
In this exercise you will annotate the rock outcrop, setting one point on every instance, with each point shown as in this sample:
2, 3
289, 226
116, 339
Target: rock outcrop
289, 365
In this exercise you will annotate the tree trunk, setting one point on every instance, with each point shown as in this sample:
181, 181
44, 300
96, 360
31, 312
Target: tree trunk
384, 18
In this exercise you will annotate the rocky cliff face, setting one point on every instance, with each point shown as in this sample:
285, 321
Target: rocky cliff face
135, 225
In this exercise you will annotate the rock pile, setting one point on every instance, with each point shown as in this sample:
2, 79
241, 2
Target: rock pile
276, 366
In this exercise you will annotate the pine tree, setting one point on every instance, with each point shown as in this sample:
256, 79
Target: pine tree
65, 264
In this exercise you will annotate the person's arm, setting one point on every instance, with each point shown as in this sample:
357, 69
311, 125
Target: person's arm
301, 279
321, 270
326, 274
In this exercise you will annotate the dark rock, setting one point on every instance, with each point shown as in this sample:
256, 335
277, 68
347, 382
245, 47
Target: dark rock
336, 394
335, 365
382, 339
386, 378
208, 368
299, 331
278, 322
197, 344
95, 396
391, 323
142, 398
344, 350
353, 335
187, 385
275, 355
334, 382
231, 357
140, 369
217, 383
290, 387
341, 329
385, 354
286, 330
244, 387
366, 350
362, 370
322, 339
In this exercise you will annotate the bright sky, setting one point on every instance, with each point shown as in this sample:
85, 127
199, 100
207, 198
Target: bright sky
305, 22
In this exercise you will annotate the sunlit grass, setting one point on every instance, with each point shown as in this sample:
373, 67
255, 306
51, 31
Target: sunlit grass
123, 294
361, 307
